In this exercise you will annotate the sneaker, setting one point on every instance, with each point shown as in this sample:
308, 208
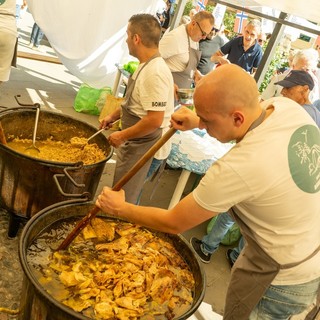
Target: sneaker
39, 49
30, 45
196, 245
228, 255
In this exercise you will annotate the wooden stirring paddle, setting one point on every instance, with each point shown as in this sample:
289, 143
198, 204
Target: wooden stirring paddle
2, 136
140, 163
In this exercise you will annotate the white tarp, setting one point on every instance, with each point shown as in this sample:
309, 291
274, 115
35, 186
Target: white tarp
309, 10
89, 37
268, 25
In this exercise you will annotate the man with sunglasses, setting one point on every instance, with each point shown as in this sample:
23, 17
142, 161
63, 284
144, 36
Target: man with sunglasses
244, 51
180, 48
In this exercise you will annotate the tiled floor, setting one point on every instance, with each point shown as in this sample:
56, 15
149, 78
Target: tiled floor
55, 88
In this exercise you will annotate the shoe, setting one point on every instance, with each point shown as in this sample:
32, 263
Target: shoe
39, 49
228, 255
196, 245
30, 45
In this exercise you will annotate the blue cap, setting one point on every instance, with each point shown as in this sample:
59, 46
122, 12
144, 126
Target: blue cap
297, 78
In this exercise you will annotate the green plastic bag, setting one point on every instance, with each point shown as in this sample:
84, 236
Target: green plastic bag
88, 99
231, 237
131, 66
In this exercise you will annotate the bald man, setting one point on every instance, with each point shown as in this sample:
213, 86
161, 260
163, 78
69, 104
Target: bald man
269, 181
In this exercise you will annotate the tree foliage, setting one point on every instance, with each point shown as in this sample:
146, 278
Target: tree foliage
188, 7
280, 60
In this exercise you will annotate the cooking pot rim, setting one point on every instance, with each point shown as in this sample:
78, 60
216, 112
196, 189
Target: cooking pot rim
8, 111
57, 163
30, 275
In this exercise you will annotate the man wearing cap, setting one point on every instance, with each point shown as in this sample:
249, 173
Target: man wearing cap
305, 60
297, 86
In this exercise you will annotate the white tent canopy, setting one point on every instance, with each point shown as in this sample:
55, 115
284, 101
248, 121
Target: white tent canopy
89, 36
309, 10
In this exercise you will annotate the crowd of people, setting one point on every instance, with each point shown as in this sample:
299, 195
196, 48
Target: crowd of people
268, 183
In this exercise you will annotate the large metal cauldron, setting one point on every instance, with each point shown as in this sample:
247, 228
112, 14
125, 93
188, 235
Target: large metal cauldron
36, 303
27, 184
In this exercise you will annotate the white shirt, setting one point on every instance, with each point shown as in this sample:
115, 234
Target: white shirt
272, 177
174, 48
154, 91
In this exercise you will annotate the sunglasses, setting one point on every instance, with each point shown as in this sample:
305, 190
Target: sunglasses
204, 34
261, 41
215, 29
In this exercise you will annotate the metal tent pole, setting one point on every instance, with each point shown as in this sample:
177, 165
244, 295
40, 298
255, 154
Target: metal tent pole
270, 50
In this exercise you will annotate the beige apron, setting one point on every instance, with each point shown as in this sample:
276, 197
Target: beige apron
133, 149
184, 79
253, 271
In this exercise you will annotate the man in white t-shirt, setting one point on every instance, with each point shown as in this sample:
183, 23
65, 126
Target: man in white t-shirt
148, 105
180, 48
269, 181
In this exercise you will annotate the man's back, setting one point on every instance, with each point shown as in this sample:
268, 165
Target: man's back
208, 46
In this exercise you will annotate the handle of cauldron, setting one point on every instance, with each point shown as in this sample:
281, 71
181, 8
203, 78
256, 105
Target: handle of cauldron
140, 163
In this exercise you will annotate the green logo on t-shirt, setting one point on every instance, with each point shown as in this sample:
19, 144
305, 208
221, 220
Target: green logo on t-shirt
304, 158
2, 2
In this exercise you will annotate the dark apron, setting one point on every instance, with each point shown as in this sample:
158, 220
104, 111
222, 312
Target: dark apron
253, 271
184, 79
133, 149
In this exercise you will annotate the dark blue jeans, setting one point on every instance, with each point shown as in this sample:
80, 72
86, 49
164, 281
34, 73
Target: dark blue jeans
211, 241
36, 35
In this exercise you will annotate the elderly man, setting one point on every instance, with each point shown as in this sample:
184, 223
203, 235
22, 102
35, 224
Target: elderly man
148, 105
297, 86
305, 60
269, 181
180, 48
243, 51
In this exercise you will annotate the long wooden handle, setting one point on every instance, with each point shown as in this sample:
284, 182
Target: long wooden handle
2, 136
140, 163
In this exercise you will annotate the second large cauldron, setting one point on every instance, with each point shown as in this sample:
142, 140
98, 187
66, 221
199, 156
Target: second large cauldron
27, 184
37, 303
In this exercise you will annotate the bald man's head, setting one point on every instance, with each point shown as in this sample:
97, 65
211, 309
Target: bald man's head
227, 88
231, 93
